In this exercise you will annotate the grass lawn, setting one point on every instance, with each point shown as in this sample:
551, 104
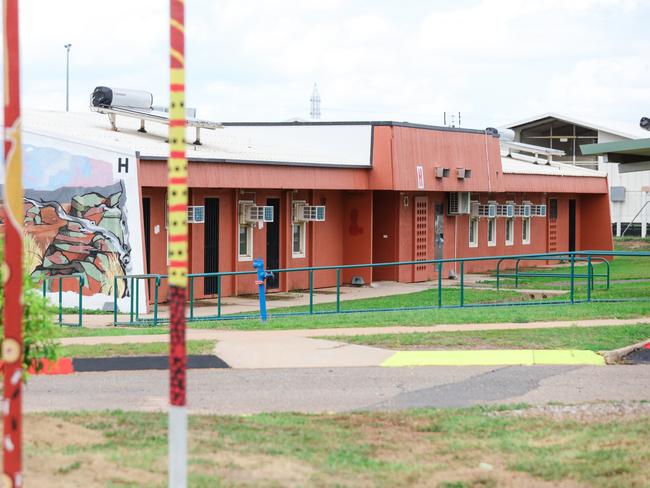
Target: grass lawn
476, 447
587, 338
151, 349
517, 314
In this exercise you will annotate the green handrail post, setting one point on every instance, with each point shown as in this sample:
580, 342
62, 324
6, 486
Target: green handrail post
338, 290
462, 283
137, 299
573, 277
439, 284
590, 277
311, 292
498, 274
60, 301
191, 298
115, 291
607, 273
219, 296
155, 300
517, 273
81, 295
131, 301
44, 287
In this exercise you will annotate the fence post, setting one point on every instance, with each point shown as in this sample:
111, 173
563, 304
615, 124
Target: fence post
462, 283
517, 273
573, 277
498, 275
155, 300
115, 291
60, 301
311, 292
590, 276
192, 298
81, 309
439, 284
218, 296
607, 262
137, 299
338, 290
131, 301
44, 287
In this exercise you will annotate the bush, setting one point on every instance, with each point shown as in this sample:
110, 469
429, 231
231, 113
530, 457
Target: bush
39, 331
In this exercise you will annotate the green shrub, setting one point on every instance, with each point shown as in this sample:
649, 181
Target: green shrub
39, 331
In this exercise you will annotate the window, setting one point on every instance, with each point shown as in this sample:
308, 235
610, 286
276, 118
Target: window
510, 232
473, 232
245, 244
298, 240
492, 232
525, 231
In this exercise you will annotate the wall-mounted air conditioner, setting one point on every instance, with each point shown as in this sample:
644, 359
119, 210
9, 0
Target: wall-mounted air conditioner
474, 208
250, 213
507, 210
492, 209
441, 172
458, 203
308, 213
195, 215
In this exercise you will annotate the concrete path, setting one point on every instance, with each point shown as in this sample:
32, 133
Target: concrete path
340, 389
268, 349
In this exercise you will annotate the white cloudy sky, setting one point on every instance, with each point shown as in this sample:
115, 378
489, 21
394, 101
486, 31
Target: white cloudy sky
493, 60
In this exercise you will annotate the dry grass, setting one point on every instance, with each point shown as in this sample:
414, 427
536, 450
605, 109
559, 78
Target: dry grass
114, 269
32, 253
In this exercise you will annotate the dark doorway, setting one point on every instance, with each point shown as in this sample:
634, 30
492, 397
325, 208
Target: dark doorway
273, 243
211, 245
572, 225
146, 219
439, 230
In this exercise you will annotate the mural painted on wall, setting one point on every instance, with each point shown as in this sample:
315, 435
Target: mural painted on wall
75, 223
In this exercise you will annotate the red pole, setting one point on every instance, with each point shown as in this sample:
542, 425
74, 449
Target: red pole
12, 345
177, 211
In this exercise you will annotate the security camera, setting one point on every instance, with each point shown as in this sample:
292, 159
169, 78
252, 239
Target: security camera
645, 123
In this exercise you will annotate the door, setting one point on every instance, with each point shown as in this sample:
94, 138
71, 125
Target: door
439, 230
273, 243
146, 219
211, 245
420, 237
572, 225
552, 225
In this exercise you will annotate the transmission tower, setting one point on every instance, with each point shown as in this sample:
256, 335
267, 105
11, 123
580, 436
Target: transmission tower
315, 103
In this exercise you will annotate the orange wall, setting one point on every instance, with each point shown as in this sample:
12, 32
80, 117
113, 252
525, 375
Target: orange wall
357, 234
594, 212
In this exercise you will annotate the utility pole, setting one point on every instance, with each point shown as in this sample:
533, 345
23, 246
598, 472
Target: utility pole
67, 76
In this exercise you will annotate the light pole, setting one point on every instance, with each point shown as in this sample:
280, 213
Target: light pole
67, 76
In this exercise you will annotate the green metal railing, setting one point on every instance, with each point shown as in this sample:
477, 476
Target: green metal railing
134, 317
48, 279
589, 260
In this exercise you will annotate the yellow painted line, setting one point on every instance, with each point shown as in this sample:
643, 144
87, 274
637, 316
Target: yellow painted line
494, 357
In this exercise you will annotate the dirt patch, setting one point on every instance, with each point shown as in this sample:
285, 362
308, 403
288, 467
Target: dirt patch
586, 413
494, 477
58, 454
255, 469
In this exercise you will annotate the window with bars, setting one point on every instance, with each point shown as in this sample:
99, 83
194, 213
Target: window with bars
473, 232
492, 232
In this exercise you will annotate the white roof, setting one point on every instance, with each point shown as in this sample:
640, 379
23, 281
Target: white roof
629, 131
515, 166
310, 144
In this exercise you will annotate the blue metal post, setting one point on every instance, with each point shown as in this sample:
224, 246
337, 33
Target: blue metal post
262, 275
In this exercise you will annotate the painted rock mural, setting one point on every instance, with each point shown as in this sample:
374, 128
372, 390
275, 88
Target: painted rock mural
78, 231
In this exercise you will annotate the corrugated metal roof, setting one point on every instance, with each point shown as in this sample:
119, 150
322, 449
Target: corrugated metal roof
514, 166
629, 131
300, 145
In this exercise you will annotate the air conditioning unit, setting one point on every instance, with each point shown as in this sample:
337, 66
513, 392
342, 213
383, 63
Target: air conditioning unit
492, 209
308, 213
195, 215
462, 173
442, 172
458, 203
539, 210
474, 208
507, 210
250, 213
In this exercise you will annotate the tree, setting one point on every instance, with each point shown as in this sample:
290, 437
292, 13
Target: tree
39, 331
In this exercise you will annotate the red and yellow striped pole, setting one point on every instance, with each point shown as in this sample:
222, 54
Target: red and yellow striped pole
12, 345
177, 211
